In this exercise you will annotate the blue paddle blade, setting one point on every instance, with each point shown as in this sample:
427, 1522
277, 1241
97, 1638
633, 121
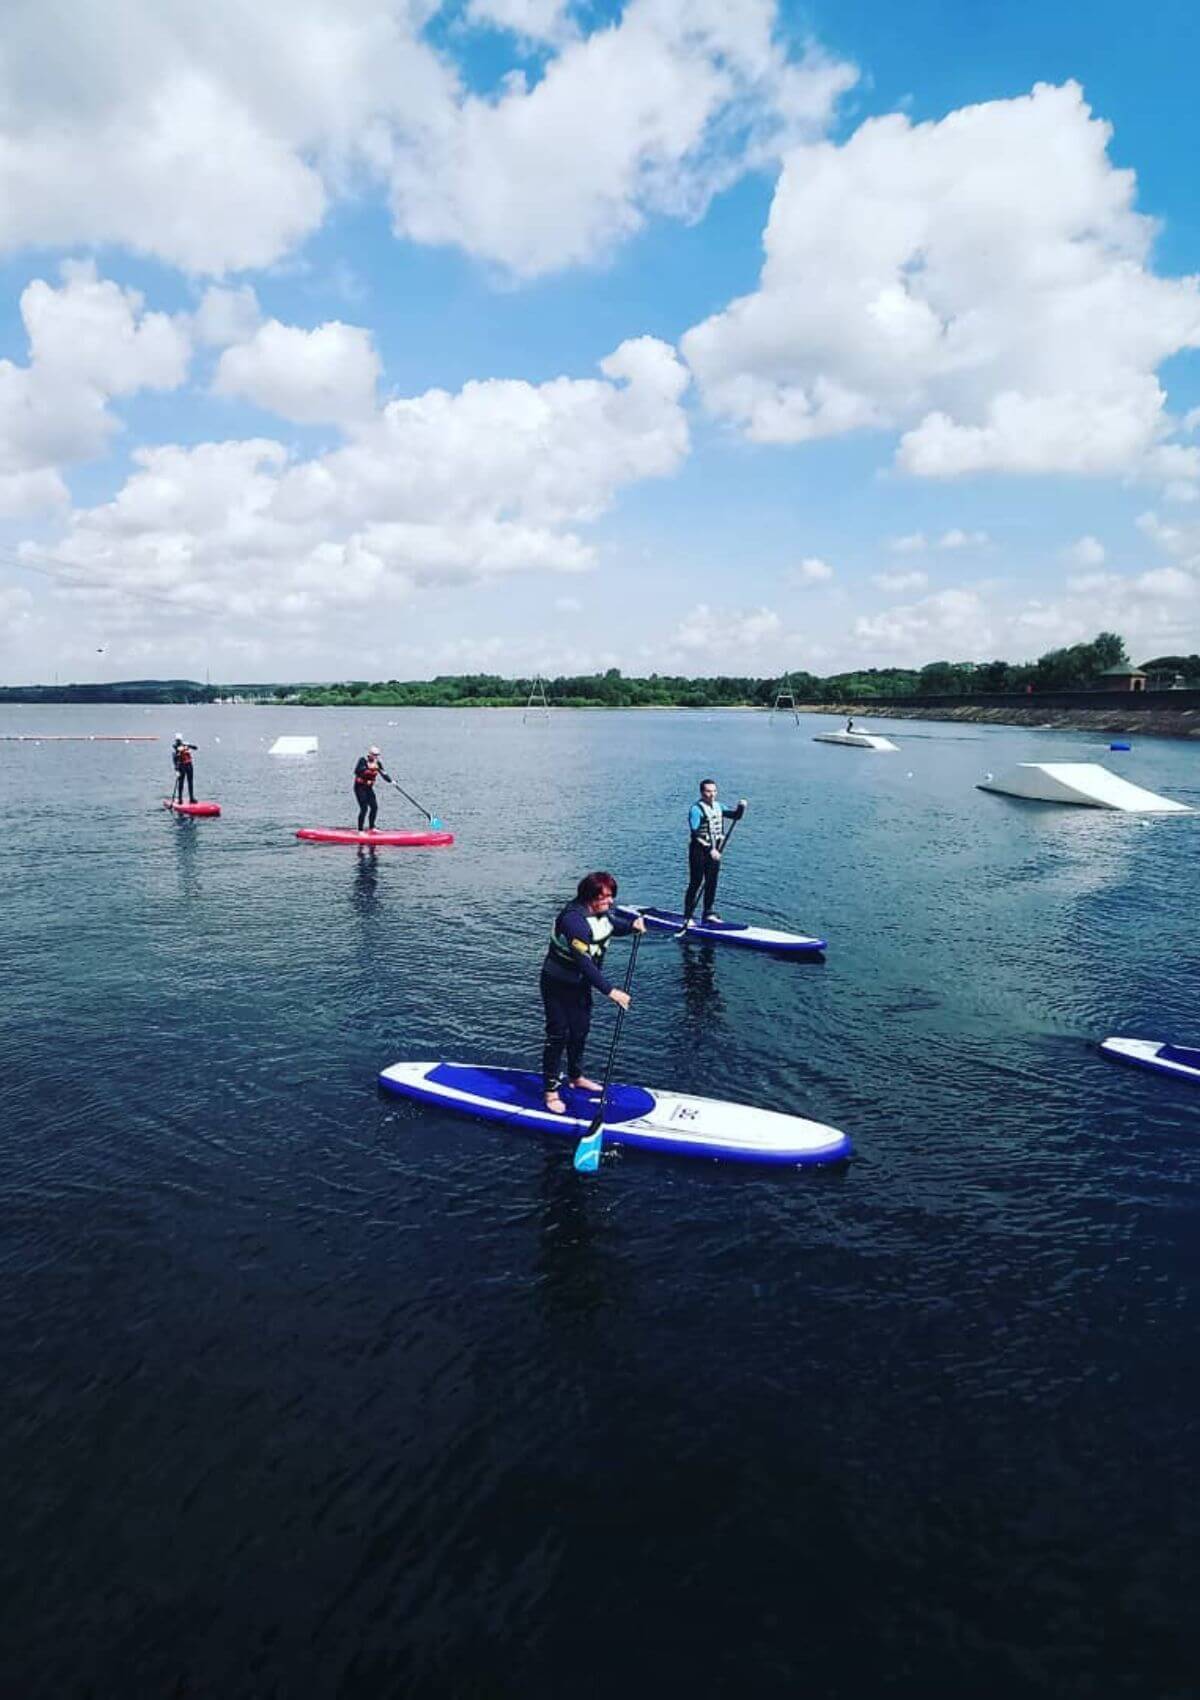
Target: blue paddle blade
587, 1152
435, 825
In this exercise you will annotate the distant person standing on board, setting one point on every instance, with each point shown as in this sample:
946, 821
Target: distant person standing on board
849, 723
181, 755
573, 968
367, 769
706, 826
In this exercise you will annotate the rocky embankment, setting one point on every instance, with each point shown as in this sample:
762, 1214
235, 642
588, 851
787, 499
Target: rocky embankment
1149, 722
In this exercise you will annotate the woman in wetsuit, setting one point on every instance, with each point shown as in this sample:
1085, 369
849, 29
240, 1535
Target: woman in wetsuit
367, 769
573, 967
181, 755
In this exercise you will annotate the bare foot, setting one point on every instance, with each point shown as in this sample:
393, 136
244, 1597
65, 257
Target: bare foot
555, 1103
583, 1084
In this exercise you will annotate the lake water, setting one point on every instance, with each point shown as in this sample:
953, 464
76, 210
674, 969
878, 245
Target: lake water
310, 1392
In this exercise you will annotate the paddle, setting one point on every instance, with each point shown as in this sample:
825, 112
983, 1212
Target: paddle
687, 919
587, 1152
433, 820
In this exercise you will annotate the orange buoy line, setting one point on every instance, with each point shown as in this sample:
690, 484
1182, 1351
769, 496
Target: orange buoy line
77, 738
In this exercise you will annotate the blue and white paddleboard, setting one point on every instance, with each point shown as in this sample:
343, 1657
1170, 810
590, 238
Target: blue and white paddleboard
1182, 1061
725, 932
657, 1121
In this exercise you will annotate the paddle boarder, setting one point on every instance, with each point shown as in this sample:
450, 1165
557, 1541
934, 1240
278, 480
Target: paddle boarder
181, 755
706, 828
367, 769
573, 967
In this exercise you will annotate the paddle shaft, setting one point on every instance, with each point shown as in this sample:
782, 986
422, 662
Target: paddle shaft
616, 1038
587, 1152
412, 800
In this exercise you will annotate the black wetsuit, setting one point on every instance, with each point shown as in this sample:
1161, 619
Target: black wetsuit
703, 867
364, 793
183, 772
567, 990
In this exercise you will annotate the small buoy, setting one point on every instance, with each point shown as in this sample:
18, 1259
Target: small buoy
1120, 746
987, 776
908, 775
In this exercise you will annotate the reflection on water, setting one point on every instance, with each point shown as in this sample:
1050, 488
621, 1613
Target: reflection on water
315, 1394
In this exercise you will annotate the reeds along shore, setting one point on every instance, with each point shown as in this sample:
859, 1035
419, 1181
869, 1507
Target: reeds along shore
1150, 722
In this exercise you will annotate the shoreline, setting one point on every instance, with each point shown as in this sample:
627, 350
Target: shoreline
1150, 722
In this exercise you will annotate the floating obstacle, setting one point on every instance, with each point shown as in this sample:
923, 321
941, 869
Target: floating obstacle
855, 740
293, 747
1084, 783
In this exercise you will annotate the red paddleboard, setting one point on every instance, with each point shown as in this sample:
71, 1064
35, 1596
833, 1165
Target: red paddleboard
347, 835
192, 808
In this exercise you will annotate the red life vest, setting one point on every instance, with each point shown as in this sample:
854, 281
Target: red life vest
369, 774
183, 756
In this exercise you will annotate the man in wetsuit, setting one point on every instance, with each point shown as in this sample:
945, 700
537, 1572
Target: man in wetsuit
367, 769
706, 826
181, 755
573, 967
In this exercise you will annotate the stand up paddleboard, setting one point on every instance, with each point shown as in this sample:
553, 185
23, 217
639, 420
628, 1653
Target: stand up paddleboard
1181, 1061
726, 932
656, 1121
191, 808
398, 840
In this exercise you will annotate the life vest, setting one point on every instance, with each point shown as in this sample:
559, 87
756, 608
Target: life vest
711, 831
566, 951
369, 774
183, 756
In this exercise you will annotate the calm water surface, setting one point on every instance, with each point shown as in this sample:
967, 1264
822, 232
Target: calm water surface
308, 1392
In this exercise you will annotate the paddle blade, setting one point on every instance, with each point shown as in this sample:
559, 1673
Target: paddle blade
436, 825
587, 1152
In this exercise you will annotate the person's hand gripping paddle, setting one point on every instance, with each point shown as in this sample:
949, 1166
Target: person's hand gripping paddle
687, 919
587, 1152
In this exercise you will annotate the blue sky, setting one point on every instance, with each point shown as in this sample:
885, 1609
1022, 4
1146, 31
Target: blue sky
373, 339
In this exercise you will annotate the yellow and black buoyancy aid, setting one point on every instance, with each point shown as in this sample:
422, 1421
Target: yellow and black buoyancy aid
567, 951
711, 831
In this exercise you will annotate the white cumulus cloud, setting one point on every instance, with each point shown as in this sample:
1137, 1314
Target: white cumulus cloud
1085, 552
89, 342
980, 285
439, 488
901, 581
811, 570
324, 375
216, 137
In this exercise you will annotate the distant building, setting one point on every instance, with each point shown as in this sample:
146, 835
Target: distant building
1121, 678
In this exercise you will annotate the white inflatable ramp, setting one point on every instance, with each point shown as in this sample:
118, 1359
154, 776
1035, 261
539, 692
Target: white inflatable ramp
856, 740
1083, 782
293, 747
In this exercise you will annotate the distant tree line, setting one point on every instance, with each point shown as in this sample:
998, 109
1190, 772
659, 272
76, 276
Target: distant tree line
1078, 667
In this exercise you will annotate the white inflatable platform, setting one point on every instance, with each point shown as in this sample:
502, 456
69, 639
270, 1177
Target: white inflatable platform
293, 747
856, 740
1082, 782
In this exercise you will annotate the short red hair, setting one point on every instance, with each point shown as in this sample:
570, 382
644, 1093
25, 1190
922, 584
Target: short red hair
592, 886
